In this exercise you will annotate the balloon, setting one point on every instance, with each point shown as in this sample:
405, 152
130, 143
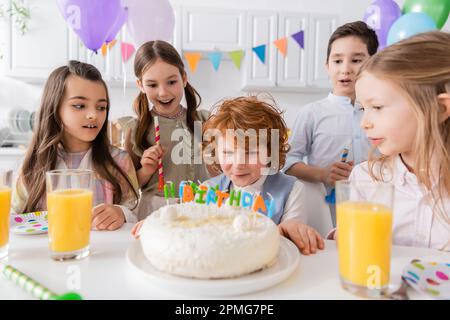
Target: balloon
121, 19
149, 20
91, 20
380, 16
410, 24
436, 9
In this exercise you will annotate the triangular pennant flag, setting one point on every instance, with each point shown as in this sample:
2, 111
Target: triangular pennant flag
281, 44
260, 52
104, 47
127, 51
112, 44
107, 46
193, 58
215, 58
299, 37
236, 56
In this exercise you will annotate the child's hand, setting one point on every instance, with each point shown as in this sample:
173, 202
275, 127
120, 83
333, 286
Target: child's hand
107, 217
150, 158
337, 171
306, 238
136, 228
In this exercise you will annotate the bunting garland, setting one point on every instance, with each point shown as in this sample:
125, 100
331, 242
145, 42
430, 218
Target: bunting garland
299, 38
127, 51
107, 47
281, 45
215, 58
193, 58
236, 56
260, 52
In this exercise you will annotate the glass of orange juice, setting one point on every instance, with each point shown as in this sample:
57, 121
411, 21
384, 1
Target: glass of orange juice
364, 235
5, 207
69, 205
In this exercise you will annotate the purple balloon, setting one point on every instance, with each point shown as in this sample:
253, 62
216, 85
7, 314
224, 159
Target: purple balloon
150, 20
121, 19
91, 20
380, 16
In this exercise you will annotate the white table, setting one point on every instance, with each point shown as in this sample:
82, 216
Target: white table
106, 274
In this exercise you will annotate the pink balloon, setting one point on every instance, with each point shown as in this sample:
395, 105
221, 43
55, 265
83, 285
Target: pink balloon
149, 20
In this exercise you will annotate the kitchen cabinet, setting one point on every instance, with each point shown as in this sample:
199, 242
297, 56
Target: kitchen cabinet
302, 68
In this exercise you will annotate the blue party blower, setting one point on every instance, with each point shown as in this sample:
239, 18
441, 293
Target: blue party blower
331, 198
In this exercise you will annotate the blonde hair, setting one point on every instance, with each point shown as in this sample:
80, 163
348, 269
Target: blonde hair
420, 67
251, 112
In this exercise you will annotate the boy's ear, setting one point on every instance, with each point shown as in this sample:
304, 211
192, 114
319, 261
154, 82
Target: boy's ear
327, 68
139, 84
444, 102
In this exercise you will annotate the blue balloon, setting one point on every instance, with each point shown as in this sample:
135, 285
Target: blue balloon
409, 25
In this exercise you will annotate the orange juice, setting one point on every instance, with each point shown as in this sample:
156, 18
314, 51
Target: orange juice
69, 219
5, 206
364, 243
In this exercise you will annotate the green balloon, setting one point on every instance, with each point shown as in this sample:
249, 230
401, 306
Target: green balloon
436, 9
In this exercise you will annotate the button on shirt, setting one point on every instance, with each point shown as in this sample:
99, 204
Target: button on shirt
416, 221
323, 128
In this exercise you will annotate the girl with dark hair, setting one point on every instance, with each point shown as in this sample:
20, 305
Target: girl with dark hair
71, 133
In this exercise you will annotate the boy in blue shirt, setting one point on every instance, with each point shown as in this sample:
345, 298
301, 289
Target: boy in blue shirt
326, 129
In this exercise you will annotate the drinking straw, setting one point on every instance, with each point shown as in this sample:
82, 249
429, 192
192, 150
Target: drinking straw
33, 287
160, 165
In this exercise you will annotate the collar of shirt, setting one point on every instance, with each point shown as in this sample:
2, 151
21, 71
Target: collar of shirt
344, 101
253, 188
340, 99
402, 174
62, 152
72, 160
403, 177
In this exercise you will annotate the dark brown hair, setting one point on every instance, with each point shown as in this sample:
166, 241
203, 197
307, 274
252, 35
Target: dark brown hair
42, 154
247, 113
147, 55
357, 29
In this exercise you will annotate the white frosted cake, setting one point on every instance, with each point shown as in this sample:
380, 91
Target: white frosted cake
207, 242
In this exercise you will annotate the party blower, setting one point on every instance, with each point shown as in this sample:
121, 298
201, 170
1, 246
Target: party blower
34, 287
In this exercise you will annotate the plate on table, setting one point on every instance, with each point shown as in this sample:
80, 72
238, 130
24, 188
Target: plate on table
431, 278
287, 262
29, 223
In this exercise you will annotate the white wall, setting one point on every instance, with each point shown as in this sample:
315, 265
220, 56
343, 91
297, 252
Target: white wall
214, 86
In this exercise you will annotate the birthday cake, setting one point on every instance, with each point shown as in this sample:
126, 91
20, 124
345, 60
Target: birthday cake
209, 242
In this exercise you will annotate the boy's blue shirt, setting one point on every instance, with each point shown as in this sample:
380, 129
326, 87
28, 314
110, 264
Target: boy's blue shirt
323, 128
